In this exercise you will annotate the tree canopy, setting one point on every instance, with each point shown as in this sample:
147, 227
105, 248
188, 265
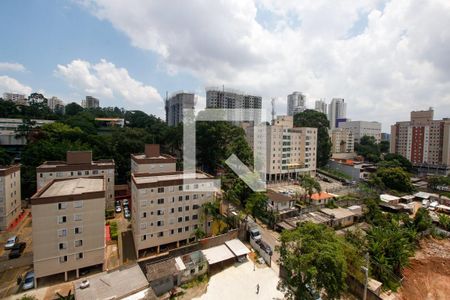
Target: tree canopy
392, 178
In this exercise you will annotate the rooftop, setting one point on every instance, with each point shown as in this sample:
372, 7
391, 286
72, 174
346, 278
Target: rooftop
144, 178
217, 254
73, 187
338, 213
161, 269
388, 198
277, 197
322, 196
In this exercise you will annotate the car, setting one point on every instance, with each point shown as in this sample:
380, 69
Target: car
118, 209
127, 214
11, 242
265, 247
84, 284
117, 202
125, 202
28, 281
17, 250
254, 234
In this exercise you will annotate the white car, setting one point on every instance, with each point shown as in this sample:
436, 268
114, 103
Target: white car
84, 284
28, 282
11, 242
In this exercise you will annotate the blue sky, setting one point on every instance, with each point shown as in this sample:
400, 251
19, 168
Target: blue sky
376, 54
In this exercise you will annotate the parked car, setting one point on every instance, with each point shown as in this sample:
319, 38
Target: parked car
126, 213
117, 202
28, 281
255, 234
84, 284
265, 247
118, 209
11, 242
17, 250
125, 202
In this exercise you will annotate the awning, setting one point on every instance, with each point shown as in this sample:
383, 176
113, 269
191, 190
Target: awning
217, 254
237, 247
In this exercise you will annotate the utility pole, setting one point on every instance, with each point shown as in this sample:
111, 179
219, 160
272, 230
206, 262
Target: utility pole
366, 273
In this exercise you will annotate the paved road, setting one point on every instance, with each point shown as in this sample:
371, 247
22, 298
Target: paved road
25, 260
271, 237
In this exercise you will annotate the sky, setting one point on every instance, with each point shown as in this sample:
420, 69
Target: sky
385, 58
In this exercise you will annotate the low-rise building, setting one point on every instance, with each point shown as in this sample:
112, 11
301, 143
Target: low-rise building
283, 205
68, 226
79, 164
339, 217
9, 128
152, 161
363, 128
10, 197
389, 199
322, 198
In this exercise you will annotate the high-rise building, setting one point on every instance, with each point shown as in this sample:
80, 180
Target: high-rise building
295, 103
385, 136
68, 226
231, 99
423, 141
166, 208
290, 151
320, 106
19, 99
55, 104
175, 105
363, 128
90, 102
336, 110
79, 164
342, 140
10, 199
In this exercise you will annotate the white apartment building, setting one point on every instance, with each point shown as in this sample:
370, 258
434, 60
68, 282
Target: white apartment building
10, 197
68, 226
342, 140
290, 151
175, 104
363, 128
295, 103
321, 106
336, 110
79, 164
55, 104
8, 130
19, 99
165, 205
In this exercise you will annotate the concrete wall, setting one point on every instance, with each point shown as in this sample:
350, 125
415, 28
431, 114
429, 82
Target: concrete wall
349, 170
267, 258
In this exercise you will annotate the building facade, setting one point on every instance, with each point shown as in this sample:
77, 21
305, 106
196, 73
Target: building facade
166, 208
230, 99
342, 140
79, 164
321, 106
56, 104
68, 226
10, 197
90, 102
295, 103
423, 141
363, 128
18, 99
174, 107
9, 127
336, 110
290, 151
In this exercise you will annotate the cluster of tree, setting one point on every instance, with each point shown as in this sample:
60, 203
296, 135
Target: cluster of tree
370, 149
437, 183
316, 260
315, 119
392, 178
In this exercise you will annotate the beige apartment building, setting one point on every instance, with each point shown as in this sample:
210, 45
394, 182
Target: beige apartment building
79, 164
290, 151
166, 205
342, 140
423, 141
10, 197
68, 226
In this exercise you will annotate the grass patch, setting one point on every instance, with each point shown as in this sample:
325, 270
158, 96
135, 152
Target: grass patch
195, 282
113, 230
336, 173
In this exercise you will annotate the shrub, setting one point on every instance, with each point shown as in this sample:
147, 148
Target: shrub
113, 230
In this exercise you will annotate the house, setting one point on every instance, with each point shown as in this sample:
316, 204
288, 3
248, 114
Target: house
389, 199
283, 205
426, 196
339, 217
164, 276
322, 198
407, 198
195, 265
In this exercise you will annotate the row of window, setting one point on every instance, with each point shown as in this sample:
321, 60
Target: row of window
78, 173
186, 187
63, 231
78, 256
160, 201
76, 204
169, 232
76, 244
63, 219
160, 212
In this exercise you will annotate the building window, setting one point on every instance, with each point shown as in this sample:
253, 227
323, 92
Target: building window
186, 218
160, 212
80, 173
77, 217
160, 190
180, 209
62, 219
144, 214
79, 255
180, 230
143, 225
186, 229
180, 219
161, 201
63, 259
160, 223
160, 234
187, 197
78, 230
86, 172
62, 232
143, 237
195, 206
78, 243
195, 217
62, 205
180, 198
180, 188
186, 207
78, 204
172, 210
62, 246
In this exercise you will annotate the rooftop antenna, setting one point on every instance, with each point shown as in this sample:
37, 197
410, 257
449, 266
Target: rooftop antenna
273, 109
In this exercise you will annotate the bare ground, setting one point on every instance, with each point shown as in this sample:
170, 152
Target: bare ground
428, 275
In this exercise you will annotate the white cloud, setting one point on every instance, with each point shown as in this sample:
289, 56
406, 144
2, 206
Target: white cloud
15, 67
11, 85
384, 57
105, 80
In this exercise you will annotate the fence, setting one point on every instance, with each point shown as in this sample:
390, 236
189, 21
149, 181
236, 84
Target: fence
357, 289
267, 258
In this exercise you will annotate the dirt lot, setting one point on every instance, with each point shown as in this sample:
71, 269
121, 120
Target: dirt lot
428, 276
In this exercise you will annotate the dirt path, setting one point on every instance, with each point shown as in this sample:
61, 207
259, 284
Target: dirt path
428, 275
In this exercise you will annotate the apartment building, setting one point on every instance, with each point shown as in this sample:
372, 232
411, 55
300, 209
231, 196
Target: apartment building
18, 99
320, 106
175, 104
423, 141
79, 164
342, 140
55, 104
295, 103
90, 102
10, 197
68, 226
166, 204
152, 161
290, 151
231, 99
9, 127
363, 128
337, 109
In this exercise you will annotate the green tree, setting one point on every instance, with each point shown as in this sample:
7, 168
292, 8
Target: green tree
312, 118
444, 221
314, 259
256, 205
5, 158
384, 146
422, 220
310, 185
399, 159
392, 178
368, 148
434, 182
73, 108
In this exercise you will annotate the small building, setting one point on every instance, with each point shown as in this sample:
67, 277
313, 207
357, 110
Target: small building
322, 198
219, 257
238, 248
426, 196
284, 205
407, 198
339, 217
10, 197
389, 199
164, 276
195, 265
356, 209
110, 122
